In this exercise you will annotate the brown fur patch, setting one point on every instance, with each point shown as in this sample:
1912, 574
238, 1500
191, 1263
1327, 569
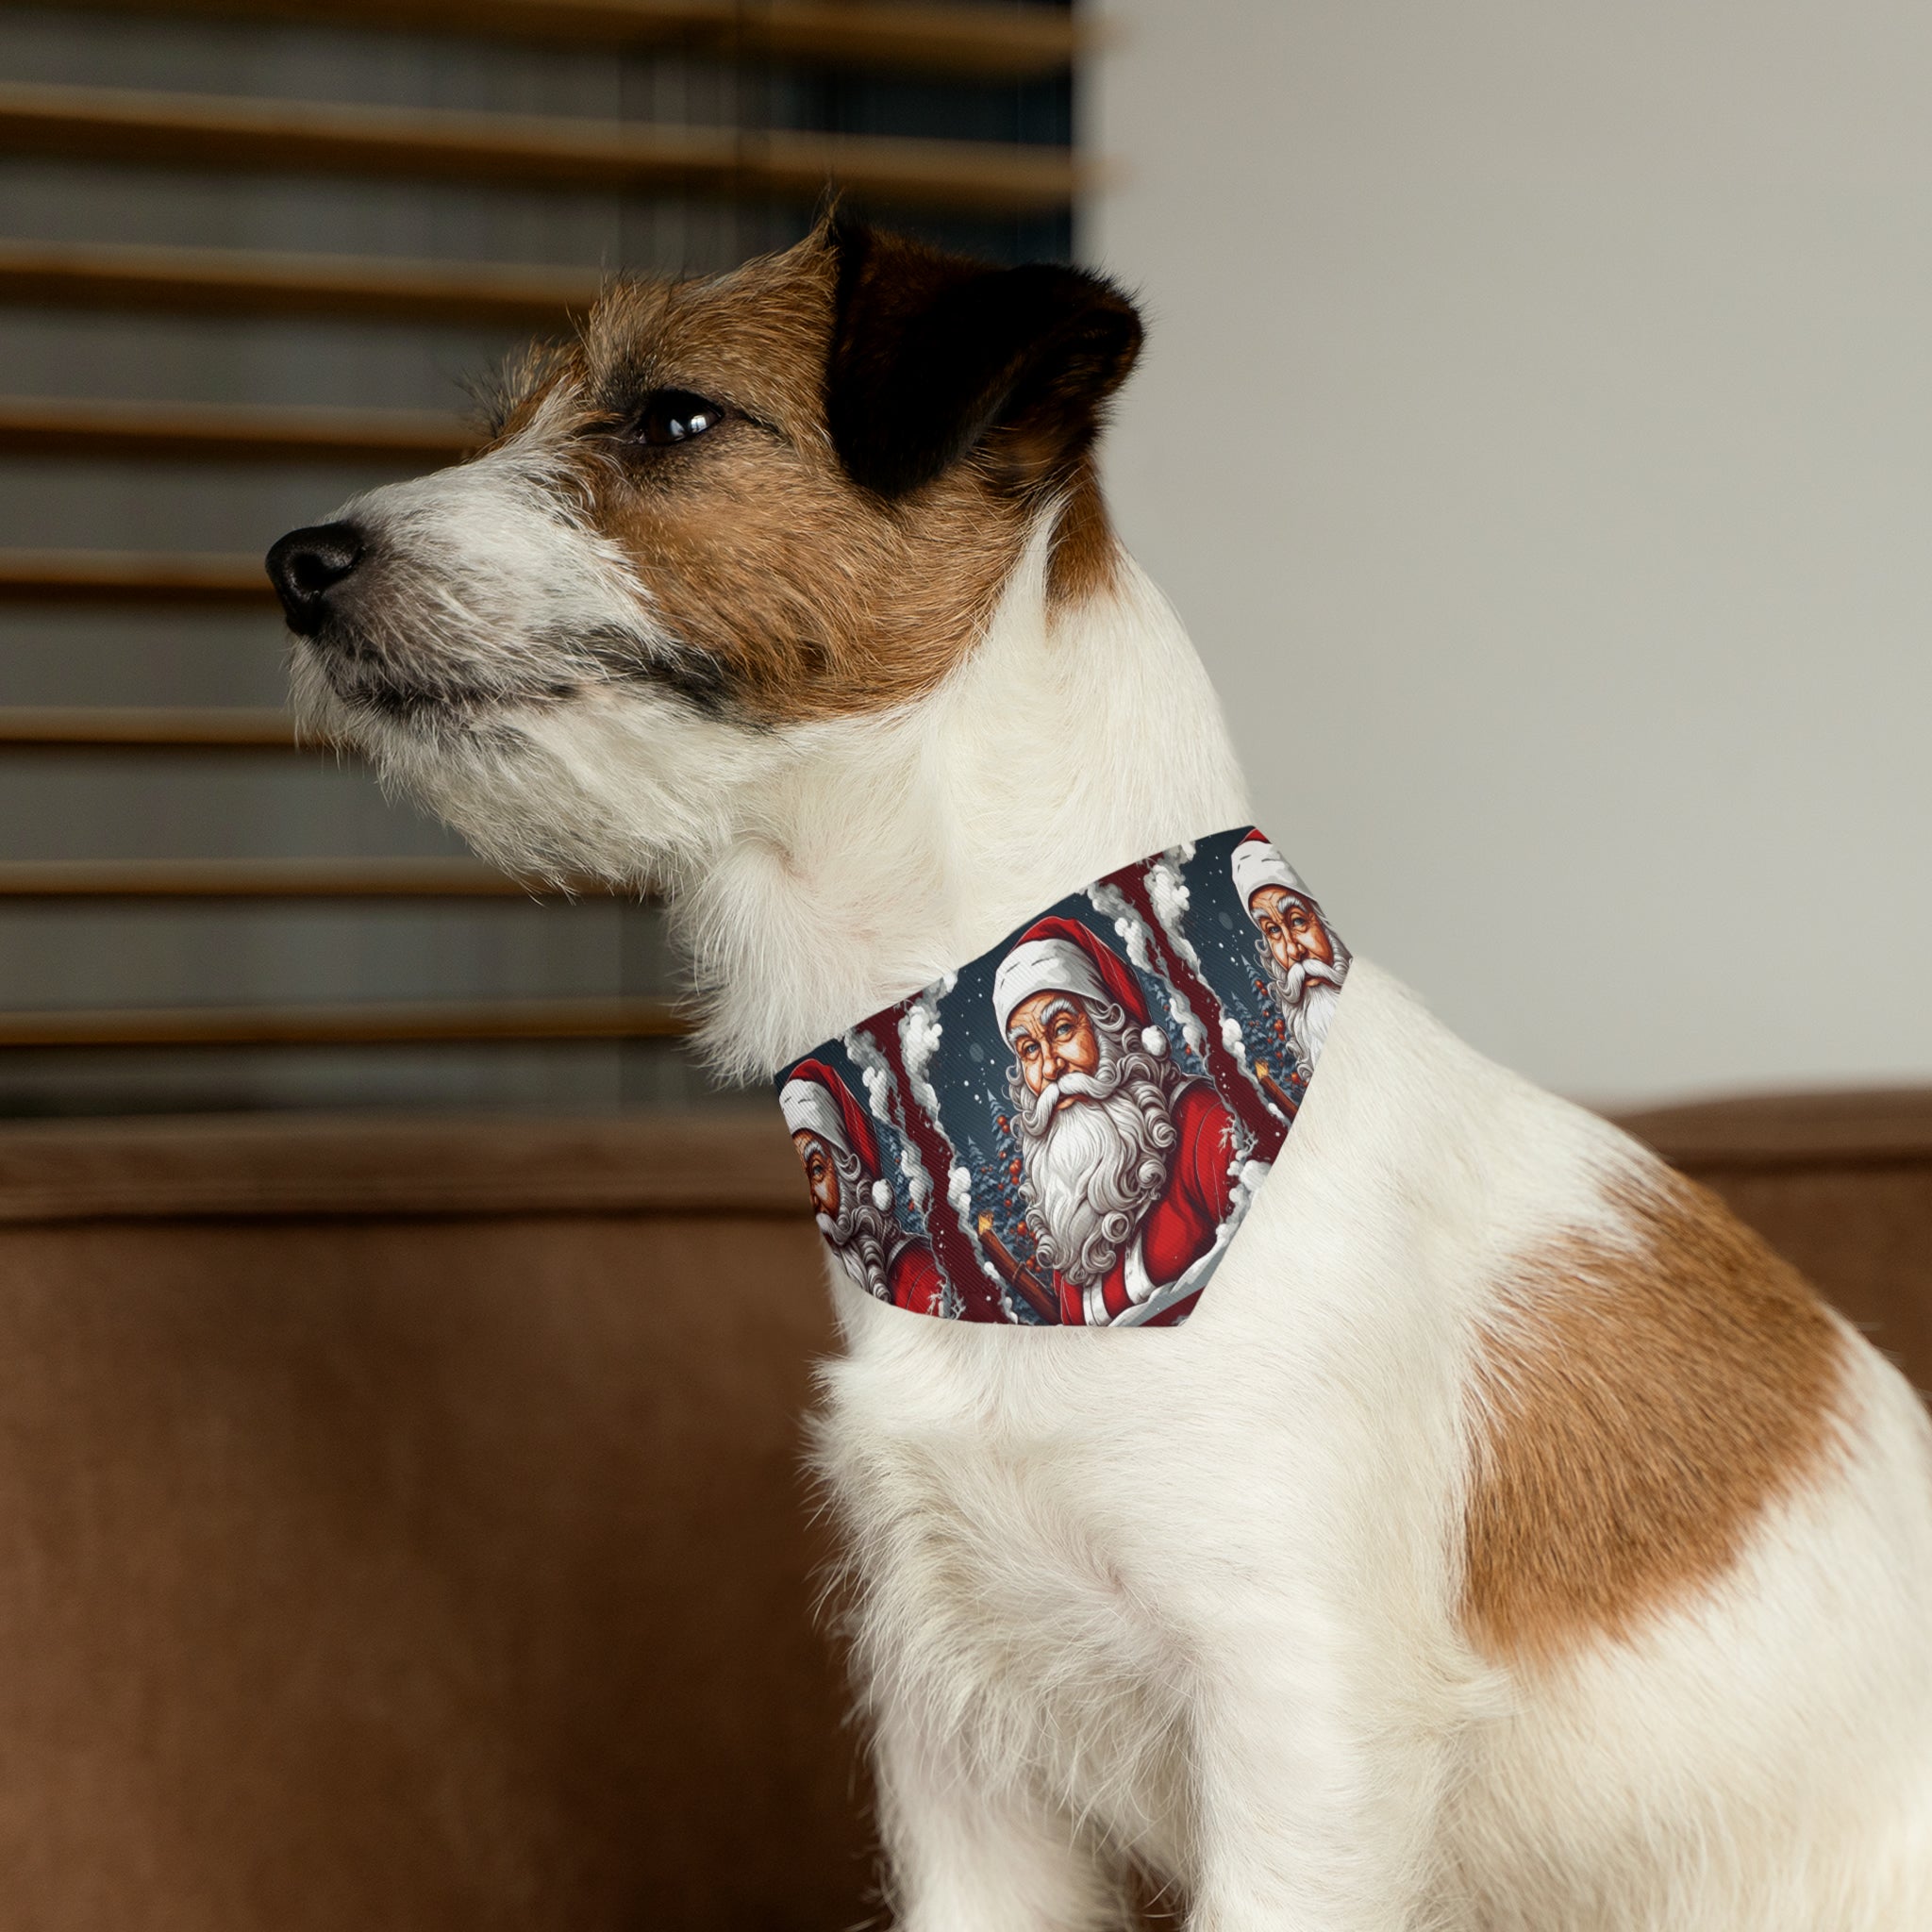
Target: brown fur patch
801, 593
814, 598
1638, 1412
1086, 553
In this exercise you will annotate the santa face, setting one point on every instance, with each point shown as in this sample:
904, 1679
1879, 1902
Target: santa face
859, 1230
820, 1173
1052, 1035
1304, 963
1289, 928
1092, 1107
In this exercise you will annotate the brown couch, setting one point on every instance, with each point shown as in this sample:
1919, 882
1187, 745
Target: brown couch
400, 1522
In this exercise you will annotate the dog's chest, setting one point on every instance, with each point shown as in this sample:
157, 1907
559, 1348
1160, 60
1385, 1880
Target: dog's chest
1008, 1571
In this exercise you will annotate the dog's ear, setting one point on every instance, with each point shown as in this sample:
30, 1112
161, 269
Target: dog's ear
934, 356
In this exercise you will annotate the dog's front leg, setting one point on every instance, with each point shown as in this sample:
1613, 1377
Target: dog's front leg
967, 1853
1317, 1805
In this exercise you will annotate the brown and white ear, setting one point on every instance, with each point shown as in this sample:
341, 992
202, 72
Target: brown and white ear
934, 356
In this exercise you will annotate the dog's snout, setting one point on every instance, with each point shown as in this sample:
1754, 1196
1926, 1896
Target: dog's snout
306, 565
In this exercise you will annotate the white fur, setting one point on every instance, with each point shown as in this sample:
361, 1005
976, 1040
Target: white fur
1189, 1599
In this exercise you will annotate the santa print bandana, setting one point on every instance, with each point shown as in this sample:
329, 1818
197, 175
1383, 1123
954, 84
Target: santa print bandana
1069, 1131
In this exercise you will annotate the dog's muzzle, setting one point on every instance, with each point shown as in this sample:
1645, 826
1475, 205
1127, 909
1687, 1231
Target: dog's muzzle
306, 566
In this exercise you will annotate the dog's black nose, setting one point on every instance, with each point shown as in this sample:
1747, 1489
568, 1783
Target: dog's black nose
306, 565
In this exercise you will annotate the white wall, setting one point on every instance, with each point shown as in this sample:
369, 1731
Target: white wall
1536, 431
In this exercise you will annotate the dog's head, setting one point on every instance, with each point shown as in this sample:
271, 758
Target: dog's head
732, 511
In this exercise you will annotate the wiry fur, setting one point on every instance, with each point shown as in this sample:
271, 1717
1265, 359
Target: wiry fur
1201, 1600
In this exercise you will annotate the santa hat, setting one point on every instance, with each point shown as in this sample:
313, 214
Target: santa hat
1062, 956
816, 1101
1256, 864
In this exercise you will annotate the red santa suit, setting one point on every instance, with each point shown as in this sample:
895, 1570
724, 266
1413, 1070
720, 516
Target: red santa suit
816, 1101
1178, 1229
912, 1277
1181, 1226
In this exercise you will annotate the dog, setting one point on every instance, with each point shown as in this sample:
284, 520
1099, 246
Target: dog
1509, 1540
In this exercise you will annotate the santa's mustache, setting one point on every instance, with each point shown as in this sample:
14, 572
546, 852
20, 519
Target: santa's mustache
1037, 1109
1304, 973
854, 1223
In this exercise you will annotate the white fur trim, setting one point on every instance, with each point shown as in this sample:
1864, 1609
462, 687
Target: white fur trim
809, 1108
1255, 864
882, 1196
1154, 1040
1043, 966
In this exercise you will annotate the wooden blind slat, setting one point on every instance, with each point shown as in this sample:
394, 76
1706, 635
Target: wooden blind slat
369, 1023
149, 129
34, 426
225, 281
527, 151
132, 576
1009, 42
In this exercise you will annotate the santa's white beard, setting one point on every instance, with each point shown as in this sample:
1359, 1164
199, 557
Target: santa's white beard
1093, 1168
1307, 993
859, 1233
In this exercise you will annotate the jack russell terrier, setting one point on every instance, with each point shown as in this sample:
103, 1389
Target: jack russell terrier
1502, 1538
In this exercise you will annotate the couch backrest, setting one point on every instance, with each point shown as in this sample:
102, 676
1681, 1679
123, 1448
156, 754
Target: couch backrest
1841, 1184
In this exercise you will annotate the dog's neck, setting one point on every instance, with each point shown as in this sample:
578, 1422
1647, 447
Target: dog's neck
880, 853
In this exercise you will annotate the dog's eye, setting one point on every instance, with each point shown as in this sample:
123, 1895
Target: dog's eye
675, 415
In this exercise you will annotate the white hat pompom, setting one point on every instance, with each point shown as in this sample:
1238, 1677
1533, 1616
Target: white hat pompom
1155, 1042
882, 1196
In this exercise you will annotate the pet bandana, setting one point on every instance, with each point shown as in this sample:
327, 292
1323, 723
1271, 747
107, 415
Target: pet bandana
1069, 1131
